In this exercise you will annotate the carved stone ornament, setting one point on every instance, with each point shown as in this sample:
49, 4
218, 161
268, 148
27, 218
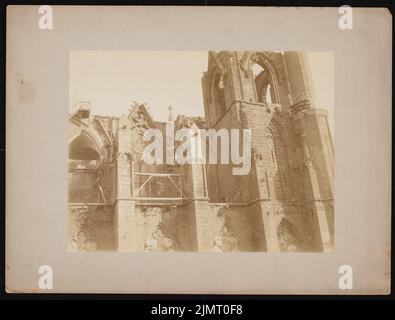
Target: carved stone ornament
139, 116
227, 241
138, 143
83, 239
159, 241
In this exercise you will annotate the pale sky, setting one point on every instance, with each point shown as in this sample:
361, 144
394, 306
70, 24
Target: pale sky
112, 80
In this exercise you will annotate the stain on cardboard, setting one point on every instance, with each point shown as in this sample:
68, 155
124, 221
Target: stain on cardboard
25, 90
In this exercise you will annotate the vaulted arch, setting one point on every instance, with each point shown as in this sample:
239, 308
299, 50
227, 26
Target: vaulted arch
85, 146
86, 183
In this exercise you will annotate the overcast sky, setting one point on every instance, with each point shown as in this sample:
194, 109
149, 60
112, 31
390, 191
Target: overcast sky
112, 80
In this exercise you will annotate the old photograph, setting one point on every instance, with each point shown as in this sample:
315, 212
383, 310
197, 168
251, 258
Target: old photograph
206, 151
198, 150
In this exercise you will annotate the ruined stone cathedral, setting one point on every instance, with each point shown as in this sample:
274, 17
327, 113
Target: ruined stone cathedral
285, 203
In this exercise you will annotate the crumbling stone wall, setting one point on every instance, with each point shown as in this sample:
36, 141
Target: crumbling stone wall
285, 203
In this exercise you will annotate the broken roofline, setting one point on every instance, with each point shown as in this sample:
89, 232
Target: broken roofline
192, 149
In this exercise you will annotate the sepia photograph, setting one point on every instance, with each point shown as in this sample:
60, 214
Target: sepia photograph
246, 163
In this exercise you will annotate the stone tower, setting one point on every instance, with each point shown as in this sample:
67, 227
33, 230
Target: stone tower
287, 198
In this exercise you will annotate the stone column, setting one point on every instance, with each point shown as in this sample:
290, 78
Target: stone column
300, 80
124, 204
198, 207
315, 140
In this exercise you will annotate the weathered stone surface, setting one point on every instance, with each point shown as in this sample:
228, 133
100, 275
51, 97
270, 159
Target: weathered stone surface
285, 203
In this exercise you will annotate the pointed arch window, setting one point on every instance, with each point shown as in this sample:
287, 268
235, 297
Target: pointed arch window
86, 183
264, 83
83, 147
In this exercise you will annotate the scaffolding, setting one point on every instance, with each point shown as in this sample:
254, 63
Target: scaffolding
158, 188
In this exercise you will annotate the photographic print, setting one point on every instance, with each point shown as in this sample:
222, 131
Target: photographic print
198, 150
255, 172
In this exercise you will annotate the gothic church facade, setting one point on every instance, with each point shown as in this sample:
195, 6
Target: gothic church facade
285, 203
